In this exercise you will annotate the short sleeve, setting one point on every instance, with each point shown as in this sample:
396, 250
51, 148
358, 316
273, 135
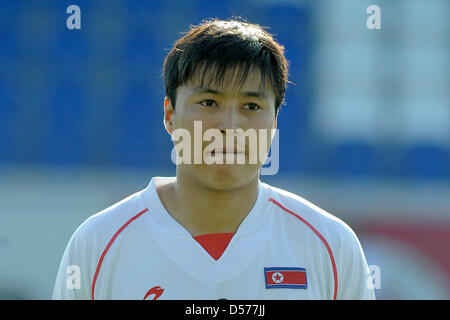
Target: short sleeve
355, 281
73, 278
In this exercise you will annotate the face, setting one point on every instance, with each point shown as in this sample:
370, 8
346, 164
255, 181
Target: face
231, 109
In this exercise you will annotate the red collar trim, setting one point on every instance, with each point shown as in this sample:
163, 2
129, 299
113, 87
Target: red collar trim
214, 243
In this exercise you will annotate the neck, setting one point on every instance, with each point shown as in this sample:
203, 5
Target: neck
202, 210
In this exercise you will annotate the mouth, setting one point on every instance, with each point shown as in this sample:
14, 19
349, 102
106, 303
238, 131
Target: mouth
227, 151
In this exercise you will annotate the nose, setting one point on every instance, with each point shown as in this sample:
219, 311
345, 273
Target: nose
229, 119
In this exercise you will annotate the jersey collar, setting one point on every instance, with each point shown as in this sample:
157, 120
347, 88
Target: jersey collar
167, 223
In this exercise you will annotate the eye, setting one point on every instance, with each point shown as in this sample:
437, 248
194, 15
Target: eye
252, 106
208, 103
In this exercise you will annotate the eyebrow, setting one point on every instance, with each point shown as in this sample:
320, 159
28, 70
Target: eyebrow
255, 94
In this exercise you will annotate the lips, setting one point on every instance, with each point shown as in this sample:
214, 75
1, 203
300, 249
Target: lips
227, 151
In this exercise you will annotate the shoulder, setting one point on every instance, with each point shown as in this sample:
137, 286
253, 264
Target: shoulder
100, 227
300, 211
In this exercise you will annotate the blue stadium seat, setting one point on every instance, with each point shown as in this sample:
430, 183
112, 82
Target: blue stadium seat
141, 133
427, 161
7, 121
65, 144
212, 9
353, 159
292, 125
289, 22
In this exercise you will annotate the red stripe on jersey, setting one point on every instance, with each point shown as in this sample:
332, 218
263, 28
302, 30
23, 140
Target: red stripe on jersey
327, 246
214, 243
99, 265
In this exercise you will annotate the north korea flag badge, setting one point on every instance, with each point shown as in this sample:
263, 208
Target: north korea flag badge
285, 277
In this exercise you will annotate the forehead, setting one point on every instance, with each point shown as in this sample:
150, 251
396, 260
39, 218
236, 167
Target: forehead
232, 79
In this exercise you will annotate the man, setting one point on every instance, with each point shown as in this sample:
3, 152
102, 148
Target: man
215, 230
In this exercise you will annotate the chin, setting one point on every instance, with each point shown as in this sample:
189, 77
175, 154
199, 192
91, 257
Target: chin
227, 177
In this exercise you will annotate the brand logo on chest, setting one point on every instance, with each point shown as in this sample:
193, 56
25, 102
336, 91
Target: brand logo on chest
156, 291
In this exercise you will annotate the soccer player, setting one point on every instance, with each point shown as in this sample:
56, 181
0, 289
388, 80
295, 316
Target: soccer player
215, 230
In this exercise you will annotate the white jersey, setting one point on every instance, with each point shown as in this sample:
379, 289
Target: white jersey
286, 248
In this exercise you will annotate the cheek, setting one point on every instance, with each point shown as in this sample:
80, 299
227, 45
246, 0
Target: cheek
268, 125
182, 119
262, 123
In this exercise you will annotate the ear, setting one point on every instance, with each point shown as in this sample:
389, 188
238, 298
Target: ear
168, 115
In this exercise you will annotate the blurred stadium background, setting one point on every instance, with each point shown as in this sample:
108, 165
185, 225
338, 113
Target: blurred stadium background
365, 133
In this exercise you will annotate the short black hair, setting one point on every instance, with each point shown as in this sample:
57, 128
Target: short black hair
222, 44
